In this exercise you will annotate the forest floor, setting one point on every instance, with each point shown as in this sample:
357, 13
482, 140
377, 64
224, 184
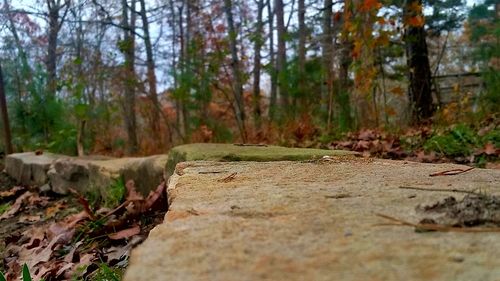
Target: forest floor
65, 238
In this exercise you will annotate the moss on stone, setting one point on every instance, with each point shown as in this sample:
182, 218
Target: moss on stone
231, 152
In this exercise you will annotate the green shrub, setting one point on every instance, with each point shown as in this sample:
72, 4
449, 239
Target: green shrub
459, 141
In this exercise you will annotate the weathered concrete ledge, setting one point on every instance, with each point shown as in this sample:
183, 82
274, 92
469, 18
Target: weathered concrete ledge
231, 152
312, 221
60, 172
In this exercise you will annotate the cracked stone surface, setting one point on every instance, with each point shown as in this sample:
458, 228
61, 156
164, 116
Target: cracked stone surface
312, 221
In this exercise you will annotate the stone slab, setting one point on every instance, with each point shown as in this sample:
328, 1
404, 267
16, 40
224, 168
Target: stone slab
312, 221
232, 152
146, 172
60, 172
28, 168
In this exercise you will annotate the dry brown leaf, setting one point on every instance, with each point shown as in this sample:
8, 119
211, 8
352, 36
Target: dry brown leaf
490, 149
126, 233
29, 218
132, 194
16, 206
11, 192
70, 257
156, 198
58, 206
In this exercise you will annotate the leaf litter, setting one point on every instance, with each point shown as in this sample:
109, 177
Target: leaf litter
71, 246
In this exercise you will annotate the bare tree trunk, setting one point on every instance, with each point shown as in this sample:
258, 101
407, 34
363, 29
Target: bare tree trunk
420, 95
150, 63
79, 138
281, 56
259, 40
344, 85
182, 55
237, 77
301, 50
5, 116
56, 21
272, 63
186, 63
80, 135
128, 48
327, 47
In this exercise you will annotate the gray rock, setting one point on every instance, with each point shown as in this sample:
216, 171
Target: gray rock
147, 172
30, 169
68, 173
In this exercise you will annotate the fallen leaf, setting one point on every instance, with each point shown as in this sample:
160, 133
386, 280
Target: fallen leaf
132, 194
157, 199
64, 268
367, 135
84, 203
11, 192
16, 206
126, 233
28, 218
53, 210
70, 256
489, 149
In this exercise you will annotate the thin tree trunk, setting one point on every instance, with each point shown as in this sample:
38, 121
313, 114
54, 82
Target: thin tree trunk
327, 61
420, 95
235, 65
272, 64
150, 64
281, 56
344, 85
55, 20
301, 50
5, 116
259, 29
130, 78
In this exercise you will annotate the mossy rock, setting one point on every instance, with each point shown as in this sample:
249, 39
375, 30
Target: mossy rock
233, 152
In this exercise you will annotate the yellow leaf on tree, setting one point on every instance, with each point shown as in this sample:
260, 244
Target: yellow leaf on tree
390, 111
356, 51
398, 91
416, 7
383, 40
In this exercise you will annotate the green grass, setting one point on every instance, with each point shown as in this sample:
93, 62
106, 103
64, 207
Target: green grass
461, 140
106, 273
114, 194
4, 207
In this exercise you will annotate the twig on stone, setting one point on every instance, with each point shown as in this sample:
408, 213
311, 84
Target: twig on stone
249, 144
440, 190
228, 178
421, 227
451, 172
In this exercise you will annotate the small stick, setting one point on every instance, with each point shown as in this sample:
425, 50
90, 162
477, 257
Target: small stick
451, 172
228, 178
436, 227
249, 144
439, 189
